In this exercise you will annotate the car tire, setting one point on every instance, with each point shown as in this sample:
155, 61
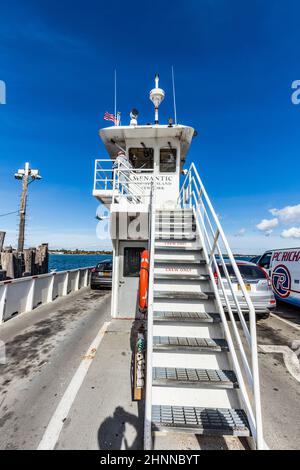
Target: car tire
93, 287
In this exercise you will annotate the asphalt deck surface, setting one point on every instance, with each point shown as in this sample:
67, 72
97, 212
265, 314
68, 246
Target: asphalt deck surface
45, 348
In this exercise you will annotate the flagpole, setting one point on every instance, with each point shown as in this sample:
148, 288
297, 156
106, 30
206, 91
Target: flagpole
115, 94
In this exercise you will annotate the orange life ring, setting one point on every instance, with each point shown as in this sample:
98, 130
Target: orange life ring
144, 276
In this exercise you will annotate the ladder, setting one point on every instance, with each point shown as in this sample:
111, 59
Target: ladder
202, 366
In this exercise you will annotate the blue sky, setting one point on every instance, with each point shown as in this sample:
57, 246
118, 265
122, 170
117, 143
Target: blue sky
234, 63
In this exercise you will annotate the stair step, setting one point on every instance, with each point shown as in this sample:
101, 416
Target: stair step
178, 245
178, 220
179, 344
175, 377
176, 251
161, 294
177, 255
209, 421
175, 235
173, 247
186, 317
175, 210
170, 275
179, 261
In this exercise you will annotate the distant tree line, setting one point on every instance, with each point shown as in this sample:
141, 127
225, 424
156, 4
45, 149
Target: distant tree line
80, 252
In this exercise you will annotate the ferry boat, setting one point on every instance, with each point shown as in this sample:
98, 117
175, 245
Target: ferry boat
200, 373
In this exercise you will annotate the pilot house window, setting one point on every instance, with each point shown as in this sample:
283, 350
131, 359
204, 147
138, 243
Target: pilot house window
141, 158
167, 160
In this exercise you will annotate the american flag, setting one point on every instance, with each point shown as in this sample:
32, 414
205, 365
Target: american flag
110, 117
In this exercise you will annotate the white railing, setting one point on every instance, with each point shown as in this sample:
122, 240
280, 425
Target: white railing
24, 294
148, 397
215, 246
122, 181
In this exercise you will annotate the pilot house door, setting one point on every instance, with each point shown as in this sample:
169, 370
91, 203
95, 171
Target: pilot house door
129, 272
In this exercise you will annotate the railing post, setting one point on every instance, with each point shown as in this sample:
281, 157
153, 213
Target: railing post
148, 397
86, 278
3, 303
256, 384
50, 289
77, 280
190, 189
95, 175
66, 282
214, 247
30, 295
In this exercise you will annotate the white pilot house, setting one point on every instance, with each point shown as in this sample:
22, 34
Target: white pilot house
156, 156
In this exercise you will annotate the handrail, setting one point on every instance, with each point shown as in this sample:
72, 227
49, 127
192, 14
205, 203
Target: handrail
193, 194
120, 181
148, 398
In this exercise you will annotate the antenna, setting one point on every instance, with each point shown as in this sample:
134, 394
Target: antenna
174, 96
115, 114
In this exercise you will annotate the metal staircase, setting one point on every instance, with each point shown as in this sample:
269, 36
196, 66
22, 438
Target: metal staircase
202, 368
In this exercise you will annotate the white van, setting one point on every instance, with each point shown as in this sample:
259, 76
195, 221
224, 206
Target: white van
283, 267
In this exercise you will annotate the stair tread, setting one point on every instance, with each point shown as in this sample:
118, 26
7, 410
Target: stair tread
210, 421
186, 317
161, 294
185, 251
179, 261
182, 275
175, 236
175, 209
165, 239
188, 343
172, 376
178, 221
176, 248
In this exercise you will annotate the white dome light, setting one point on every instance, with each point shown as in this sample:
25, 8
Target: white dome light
157, 96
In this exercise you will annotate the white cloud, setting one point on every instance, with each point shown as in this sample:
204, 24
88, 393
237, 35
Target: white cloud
293, 232
267, 224
268, 232
287, 214
240, 233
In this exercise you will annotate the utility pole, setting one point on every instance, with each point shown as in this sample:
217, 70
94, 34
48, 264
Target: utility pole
27, 175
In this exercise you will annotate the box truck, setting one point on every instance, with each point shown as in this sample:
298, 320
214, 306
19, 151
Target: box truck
283, 267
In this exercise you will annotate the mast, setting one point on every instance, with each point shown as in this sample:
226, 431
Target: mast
156, 96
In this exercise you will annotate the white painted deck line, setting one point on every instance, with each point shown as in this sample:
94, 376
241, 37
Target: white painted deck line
297, 327
56, 423
289, 357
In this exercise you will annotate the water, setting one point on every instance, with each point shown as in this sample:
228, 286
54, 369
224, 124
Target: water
64, 262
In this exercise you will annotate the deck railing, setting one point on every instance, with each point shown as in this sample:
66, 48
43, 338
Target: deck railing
121, 182
24, 294
215, 246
